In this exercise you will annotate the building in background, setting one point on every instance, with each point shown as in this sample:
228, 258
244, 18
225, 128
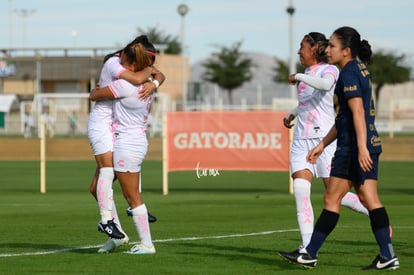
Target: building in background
33, 73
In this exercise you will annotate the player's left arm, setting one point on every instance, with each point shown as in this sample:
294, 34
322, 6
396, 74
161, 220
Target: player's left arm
358, 117
158, 75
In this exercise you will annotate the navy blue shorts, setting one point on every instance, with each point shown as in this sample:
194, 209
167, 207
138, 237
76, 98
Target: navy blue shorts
347, 167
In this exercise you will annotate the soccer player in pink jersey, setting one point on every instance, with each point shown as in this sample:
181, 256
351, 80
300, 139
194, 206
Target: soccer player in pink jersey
130, 146
315, 115
356, 160
101, 138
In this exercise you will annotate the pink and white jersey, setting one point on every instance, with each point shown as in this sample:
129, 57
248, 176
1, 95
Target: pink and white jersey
111, 71
102, 111
100, 130
316, 113
130, 113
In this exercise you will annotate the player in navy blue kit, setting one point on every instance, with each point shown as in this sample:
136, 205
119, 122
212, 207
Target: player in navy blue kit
315, 115
355, 162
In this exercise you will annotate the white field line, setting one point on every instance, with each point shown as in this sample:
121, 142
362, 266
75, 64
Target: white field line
55, 251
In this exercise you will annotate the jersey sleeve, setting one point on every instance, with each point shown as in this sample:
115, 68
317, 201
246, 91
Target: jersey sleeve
323, 83
351, 86
114, 66
121, 88
331, 70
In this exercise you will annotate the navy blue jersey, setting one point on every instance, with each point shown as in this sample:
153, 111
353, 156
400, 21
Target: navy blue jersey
354, 81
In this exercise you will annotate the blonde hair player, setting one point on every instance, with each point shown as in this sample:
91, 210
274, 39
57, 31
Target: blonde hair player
130, 146
101, 136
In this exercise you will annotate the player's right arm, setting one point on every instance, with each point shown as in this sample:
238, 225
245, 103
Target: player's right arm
287, 120
158, 75
150, 87
128, 73
138, 77
116, 89
101, 93
323, 83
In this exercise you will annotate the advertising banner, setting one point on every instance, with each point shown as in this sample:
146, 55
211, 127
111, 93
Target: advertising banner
229, 140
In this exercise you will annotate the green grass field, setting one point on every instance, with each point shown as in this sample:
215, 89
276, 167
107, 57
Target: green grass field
232, 223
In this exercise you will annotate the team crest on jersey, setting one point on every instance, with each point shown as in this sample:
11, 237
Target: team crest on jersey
121, 163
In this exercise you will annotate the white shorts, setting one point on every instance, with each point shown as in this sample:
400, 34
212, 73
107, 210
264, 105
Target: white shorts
299, 150
101, 137
129, 154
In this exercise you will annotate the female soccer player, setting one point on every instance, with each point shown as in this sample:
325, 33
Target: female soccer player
315, 116
131, 144
100, 134
355, 162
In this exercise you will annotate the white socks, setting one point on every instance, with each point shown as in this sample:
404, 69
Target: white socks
352, 201
140, 218
304, 210
104, 193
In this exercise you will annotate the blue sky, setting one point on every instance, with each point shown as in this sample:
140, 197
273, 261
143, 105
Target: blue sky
261, 25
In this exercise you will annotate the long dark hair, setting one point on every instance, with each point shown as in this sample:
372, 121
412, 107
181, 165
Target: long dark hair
318, 39
350, 38
137, 51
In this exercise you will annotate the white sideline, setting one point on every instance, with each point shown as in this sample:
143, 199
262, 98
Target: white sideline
55, 251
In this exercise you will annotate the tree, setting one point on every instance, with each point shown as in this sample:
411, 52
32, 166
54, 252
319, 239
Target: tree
387, 68
282, 71
228, 68
157, 36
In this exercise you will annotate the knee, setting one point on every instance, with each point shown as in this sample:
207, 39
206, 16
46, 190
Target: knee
129, 197
370, 203
331, 201
363, 200
133, 199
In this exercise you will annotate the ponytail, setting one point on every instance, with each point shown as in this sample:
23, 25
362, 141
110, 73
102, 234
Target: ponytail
365, 52
350, 38
142, 58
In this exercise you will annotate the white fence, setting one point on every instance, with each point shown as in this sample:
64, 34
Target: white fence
398, 117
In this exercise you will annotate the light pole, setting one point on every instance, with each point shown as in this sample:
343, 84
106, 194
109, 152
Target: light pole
291, 10
182, 11
24, 13
74, 34
10, 24
37, 98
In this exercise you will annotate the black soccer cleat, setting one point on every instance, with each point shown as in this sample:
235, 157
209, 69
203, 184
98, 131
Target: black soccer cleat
300, 258
129, 212
380, 263
111, 230
151, 218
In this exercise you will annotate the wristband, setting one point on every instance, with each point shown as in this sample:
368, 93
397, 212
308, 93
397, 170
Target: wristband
157, 84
